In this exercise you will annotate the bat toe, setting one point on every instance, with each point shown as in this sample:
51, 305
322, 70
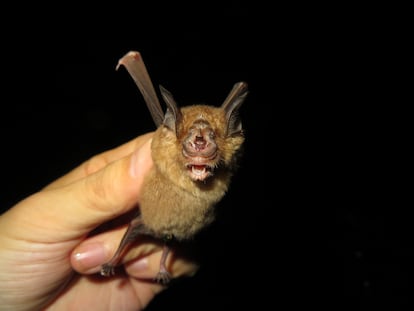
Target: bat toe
107, 270
163, 277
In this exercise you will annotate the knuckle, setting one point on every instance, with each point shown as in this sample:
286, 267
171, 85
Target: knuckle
94, 164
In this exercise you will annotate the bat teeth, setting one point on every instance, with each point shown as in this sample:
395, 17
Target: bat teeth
199, 172
199, 169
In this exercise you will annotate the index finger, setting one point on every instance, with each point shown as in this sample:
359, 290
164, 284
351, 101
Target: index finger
100, 161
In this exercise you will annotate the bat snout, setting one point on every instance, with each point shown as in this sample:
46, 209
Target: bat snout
199, 146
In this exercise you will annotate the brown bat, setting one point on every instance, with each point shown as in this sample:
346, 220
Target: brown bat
195, 151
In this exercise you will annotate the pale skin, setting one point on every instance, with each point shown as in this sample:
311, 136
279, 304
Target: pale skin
50, 261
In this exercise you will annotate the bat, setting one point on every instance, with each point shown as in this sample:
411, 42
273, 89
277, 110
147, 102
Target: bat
195, 151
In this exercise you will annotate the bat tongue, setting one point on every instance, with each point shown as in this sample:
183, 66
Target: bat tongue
199, 167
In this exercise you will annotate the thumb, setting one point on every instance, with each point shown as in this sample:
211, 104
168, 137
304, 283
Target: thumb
73, 210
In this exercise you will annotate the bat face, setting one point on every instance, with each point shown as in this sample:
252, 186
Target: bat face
200, 149
202, 136
208, 136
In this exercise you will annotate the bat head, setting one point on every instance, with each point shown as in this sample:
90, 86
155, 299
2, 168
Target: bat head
209, 136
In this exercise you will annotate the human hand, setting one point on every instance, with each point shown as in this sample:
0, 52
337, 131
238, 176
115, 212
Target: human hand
48, 257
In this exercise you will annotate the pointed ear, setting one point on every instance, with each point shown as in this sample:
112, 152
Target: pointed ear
231, 108
173, 114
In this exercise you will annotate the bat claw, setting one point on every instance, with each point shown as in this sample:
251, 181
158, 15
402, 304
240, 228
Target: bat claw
163, 277
107, 270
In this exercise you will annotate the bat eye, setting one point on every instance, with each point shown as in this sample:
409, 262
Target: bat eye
167, 237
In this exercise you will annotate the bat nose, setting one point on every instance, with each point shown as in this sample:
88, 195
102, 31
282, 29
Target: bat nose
200, 143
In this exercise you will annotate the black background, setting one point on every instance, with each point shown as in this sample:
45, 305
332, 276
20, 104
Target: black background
310, 219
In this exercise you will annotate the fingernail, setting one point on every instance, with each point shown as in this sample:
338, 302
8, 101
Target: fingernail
136, 159
90, 255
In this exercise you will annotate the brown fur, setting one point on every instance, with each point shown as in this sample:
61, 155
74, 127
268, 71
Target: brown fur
171, 202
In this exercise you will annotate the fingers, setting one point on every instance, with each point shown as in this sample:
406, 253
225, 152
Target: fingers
117, 293
71, 211
100, 161
91, 254
148, 267
141, 261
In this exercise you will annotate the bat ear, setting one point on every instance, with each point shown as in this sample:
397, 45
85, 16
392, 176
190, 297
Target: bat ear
173, 114
231, 107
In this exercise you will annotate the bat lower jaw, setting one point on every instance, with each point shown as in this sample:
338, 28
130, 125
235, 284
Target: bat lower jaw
199, 172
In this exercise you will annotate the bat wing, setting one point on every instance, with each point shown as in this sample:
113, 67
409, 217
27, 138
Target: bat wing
136, 67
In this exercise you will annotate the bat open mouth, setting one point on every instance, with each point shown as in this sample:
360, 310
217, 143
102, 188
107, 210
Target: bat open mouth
199, 172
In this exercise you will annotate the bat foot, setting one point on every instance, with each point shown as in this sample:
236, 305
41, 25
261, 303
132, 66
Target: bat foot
163, 277
107, 270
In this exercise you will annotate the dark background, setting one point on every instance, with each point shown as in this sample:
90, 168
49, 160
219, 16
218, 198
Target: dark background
311, 219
